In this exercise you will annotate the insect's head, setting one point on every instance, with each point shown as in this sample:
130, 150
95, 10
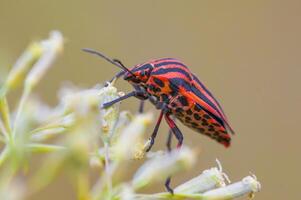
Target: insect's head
139, 74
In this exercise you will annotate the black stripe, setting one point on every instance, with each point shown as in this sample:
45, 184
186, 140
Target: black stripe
162, 59
142, 67
204, 98
175, 82
201, 84
218, 119
208, 92
173, 69
170, 63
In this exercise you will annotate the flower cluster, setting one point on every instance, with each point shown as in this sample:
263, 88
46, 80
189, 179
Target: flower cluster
77, 136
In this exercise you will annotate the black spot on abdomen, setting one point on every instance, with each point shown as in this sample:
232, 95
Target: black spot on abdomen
196, 116
189, 112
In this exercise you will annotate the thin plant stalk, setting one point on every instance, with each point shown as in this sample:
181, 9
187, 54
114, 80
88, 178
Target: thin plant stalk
5, 112
108, 167
4, 154
4, 131
20, 109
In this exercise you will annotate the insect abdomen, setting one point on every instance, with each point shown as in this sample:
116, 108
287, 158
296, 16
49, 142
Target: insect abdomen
195, 117
172, 83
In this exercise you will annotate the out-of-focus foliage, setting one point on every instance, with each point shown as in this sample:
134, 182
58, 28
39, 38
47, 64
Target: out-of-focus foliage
76, 136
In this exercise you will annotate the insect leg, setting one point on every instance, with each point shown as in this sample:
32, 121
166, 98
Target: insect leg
176, 131
131, 94
168, 142
167, 185
141, 106
154, 134
168, 145
108, 104
169, 137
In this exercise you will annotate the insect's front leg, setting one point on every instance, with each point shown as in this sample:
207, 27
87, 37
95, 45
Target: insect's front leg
154, 134
164, 110
136, 93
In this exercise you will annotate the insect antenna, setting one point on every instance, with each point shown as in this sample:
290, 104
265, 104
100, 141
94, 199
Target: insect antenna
115, 62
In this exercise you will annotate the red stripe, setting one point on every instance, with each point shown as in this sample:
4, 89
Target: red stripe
158, 61
223, 116
173, 75
202, 103
178, 66
173, 65
199, 87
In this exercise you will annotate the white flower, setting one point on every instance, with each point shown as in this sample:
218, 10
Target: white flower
162, 166
130, 140
209, 179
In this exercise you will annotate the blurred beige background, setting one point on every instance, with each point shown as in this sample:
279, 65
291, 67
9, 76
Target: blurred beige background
246, 52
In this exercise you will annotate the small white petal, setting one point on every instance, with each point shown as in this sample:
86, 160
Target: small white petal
248, 185
161, 167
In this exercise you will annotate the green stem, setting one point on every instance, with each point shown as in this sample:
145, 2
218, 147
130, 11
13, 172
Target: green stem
3, 91
24, 97
4, 155
44, 148
47, 134
46, 127
5, 113
107, 167
167, 196
82, 186
3, 131
98, 188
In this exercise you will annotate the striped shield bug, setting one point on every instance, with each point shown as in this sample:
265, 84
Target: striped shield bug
172, 88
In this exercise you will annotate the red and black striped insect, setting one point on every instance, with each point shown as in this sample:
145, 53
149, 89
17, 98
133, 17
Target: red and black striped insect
176, 91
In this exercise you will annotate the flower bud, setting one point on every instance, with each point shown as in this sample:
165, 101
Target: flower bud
51, 48
96, 162
127, 193
161, 167
209, 179
247, 185
131, 138
109, 116
20, 68
125, 117
82, 102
